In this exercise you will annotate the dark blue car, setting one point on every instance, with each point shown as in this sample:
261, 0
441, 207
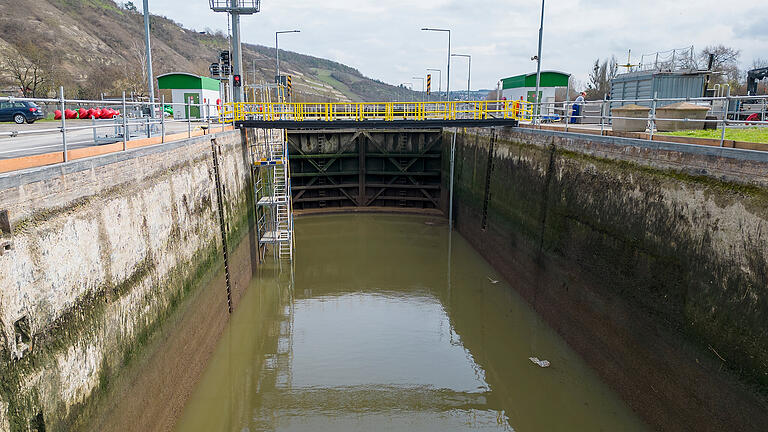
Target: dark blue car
20, 112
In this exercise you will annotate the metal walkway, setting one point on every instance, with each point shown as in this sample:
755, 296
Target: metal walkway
372, 124
376, 115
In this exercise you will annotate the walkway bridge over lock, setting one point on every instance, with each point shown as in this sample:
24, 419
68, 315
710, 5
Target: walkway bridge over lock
377, 115
384, 155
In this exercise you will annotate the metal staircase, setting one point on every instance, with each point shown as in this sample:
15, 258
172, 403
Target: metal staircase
272, 190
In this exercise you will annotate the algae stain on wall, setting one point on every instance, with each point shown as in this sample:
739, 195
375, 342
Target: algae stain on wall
96, 278
689, 250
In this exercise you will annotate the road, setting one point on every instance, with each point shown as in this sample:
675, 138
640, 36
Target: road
50, 141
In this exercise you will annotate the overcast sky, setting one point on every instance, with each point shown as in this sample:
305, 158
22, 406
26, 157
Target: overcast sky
382, 38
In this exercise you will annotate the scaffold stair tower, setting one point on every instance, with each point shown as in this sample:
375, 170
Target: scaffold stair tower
273, 193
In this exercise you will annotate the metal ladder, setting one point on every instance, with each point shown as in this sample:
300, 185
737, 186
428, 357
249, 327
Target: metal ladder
273, 195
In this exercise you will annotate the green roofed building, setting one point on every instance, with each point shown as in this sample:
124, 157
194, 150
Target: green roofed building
200, 95
523, 87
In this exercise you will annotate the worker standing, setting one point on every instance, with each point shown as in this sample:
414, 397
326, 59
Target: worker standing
577, 107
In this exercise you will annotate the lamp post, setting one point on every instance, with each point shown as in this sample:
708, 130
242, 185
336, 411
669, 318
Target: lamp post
150, 77
448, 84
439, 80
469, 72
423, 88
405, 85
277, 49
538, 63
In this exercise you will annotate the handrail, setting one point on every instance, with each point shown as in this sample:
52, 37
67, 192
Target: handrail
384, 111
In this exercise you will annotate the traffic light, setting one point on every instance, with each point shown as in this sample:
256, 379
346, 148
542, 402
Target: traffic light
225, 64
236, 81
215, 70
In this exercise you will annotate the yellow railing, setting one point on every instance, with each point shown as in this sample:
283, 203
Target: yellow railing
386, 111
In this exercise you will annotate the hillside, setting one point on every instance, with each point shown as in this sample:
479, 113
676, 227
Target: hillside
96, 46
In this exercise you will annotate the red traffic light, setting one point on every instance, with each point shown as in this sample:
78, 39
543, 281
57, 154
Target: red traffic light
236, 81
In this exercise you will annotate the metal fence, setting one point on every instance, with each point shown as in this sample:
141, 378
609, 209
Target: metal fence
146, 120
724, 112
136, 119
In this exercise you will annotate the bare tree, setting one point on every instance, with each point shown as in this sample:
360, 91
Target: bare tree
722, 57
725, 61
135, 71
29, 68
600, 78
759, 63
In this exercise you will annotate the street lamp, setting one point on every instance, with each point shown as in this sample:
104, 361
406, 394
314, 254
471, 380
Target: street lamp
150, 77
407, 85
469, 72
448, 84
277, 51
439, 80
422, 86
538, 60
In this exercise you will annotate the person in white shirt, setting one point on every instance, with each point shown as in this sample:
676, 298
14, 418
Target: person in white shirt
577, 105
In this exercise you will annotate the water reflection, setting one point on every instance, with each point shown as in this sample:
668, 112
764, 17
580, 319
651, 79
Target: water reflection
392, 324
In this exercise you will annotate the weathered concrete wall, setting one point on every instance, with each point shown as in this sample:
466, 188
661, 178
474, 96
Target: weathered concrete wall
103, 250
651, 259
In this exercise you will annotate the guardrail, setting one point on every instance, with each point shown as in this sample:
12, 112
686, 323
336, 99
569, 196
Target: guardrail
724, 112
136, 119
383, 111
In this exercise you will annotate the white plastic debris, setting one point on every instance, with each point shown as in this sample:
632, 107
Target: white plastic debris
541, 363
493, 281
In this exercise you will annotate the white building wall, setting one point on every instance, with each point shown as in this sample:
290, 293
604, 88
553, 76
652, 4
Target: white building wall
521, 93
207, 97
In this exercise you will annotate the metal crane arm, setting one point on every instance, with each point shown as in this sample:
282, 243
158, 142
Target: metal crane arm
753, 77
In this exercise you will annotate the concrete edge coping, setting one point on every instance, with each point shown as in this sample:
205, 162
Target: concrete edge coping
696, 149
33, 175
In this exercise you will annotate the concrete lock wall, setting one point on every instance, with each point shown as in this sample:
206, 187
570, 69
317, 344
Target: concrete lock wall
101, 251
650, 259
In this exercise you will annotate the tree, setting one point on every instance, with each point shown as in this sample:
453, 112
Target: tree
135, 72
30, 69
600, 78
129, 6
725, 61
723, 57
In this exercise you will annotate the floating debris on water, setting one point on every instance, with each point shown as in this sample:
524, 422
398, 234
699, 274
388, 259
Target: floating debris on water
541, 363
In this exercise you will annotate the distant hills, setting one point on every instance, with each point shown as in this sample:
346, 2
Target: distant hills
96, 46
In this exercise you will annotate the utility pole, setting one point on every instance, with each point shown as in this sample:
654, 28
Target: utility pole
150, 76
538, 63
236, 8
237, 55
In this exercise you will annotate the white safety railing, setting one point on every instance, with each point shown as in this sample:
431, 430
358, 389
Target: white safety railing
132, 119
725, 112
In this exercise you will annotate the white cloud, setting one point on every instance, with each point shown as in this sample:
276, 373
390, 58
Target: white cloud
383, 39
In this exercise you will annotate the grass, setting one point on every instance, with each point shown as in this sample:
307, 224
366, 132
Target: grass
753, 134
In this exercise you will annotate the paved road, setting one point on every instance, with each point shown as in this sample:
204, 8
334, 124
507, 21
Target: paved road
47, 142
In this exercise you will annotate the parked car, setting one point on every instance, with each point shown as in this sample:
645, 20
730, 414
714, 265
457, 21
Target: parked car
20, 112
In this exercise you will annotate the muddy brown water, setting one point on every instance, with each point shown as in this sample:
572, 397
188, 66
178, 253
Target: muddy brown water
389, 323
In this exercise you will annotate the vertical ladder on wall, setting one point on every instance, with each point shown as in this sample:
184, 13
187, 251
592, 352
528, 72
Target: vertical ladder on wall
274, 210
